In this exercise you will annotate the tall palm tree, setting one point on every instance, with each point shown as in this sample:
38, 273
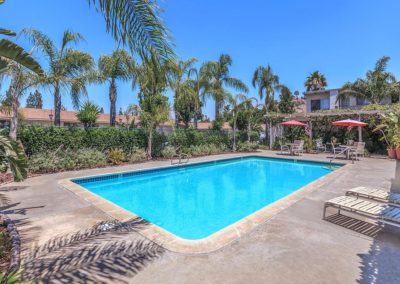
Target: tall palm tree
178, 77
316, 81
219, 77
267, 83
378, 84
11, 52
68, 71
117, 66
200, 84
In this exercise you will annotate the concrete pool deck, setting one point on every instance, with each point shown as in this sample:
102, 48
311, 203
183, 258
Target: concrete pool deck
64, 238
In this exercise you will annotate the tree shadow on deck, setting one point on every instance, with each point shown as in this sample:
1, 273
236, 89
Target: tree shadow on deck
109, 251
380, 264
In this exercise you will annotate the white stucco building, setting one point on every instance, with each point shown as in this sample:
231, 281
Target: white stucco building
327, 99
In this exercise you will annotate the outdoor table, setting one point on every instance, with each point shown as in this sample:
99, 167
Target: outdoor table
347, 148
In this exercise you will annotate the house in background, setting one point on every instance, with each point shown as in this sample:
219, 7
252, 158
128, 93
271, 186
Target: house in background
46, 117
327, 99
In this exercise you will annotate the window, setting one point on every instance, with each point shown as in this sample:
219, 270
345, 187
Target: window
315, 105
361, 101
325, 104
345, 102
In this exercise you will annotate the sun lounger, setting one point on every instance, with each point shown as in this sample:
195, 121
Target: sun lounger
376, 211
375, 194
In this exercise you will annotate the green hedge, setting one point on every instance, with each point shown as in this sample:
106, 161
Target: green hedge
37, 139
191, 137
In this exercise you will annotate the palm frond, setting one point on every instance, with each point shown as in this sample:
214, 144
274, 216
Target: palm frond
7, 32
12, 155
137, 24
42, 42
14, 52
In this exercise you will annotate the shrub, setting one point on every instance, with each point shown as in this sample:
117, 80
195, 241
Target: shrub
247, 146
206, 149
38, 139
61, 160
168, 152
137, 155
115, 156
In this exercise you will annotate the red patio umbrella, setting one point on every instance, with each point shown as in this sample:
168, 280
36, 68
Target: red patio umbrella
349, 122
293, 123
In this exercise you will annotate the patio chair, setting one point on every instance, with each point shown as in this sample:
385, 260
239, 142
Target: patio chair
378, 212
358, 150
298, 148
285, 149
320, 146
380, 195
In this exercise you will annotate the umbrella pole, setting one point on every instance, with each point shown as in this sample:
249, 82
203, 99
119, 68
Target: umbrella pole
359, 134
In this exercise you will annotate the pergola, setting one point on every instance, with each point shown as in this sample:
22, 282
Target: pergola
308, 118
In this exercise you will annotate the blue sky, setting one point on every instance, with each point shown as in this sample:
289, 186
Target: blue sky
341, 38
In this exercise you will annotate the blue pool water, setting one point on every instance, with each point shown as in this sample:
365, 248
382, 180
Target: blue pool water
195, 201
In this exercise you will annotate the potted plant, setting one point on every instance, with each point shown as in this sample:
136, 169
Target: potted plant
390, 130
396, 144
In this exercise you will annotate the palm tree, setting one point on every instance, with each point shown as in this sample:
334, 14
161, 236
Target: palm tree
88, 114
12, 52
12, 156
267, 83
378, 84
249, 109
200, 84
316, 81
153, 106
21, 80
219, 77
178, 77
117, 66
69, 70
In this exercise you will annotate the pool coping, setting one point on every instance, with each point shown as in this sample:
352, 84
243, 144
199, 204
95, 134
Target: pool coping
218, 239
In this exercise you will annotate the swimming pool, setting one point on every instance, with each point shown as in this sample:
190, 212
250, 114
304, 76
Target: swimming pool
196, 200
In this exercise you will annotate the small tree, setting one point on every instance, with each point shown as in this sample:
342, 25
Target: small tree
88, 114
153, 106
34, 100
286, 103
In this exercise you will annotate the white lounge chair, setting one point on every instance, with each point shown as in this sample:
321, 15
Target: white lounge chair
376, 211
375, 194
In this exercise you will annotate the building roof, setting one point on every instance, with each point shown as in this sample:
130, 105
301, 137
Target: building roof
43, 115
320, 91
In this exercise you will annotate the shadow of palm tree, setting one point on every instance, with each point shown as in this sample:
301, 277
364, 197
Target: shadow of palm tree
380, 264
109, 251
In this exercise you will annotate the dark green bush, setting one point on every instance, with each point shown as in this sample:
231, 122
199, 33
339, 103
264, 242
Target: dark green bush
37, 139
